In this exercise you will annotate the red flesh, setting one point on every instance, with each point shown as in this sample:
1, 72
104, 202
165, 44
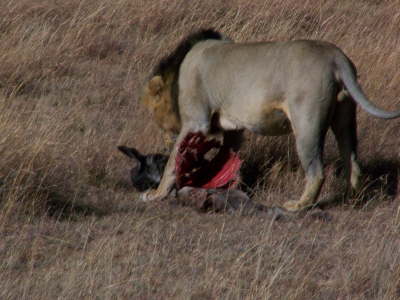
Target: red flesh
192, 169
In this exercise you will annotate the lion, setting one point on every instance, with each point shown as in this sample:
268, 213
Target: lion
211, 83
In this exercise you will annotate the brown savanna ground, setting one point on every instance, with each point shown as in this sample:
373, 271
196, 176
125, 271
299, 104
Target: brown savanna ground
71, 227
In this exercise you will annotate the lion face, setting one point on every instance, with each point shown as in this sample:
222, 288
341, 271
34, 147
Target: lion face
157, 97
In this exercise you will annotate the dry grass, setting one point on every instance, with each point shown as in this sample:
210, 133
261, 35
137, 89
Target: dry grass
70, 226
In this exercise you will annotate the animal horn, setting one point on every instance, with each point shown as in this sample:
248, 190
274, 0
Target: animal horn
132, 153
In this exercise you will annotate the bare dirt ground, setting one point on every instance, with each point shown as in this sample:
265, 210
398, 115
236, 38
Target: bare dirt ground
71, 227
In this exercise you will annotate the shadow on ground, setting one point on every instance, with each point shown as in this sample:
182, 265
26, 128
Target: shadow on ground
63, 208
258, 165
380, 181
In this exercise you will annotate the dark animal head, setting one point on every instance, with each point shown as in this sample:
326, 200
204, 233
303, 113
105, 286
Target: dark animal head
147, 172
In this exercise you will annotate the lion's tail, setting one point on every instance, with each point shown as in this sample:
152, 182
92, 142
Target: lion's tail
346, 74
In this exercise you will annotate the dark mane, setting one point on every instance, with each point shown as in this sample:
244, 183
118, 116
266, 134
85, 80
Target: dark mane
168, 67
172, 62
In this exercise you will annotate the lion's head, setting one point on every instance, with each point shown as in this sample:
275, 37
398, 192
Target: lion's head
160, 93
157, 97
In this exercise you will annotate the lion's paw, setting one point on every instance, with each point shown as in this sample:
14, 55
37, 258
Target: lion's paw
293, 206
149, 196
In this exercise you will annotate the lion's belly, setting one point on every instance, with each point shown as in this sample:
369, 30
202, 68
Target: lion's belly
270, 121
275, 122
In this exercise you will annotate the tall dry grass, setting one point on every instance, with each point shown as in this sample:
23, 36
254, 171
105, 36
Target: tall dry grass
70, 225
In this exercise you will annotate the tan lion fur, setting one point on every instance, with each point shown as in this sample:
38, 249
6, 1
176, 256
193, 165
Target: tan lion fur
157, 98
270, 88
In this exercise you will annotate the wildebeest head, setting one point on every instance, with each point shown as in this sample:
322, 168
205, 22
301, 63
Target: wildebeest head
147, 172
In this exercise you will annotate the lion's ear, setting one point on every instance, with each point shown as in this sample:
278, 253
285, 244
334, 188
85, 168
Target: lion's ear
155, 85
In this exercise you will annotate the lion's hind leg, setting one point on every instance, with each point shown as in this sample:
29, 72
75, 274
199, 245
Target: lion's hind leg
310, 123
310, 153
344, 127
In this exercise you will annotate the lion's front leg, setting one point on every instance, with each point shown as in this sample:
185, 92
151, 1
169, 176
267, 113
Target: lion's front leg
168, 179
